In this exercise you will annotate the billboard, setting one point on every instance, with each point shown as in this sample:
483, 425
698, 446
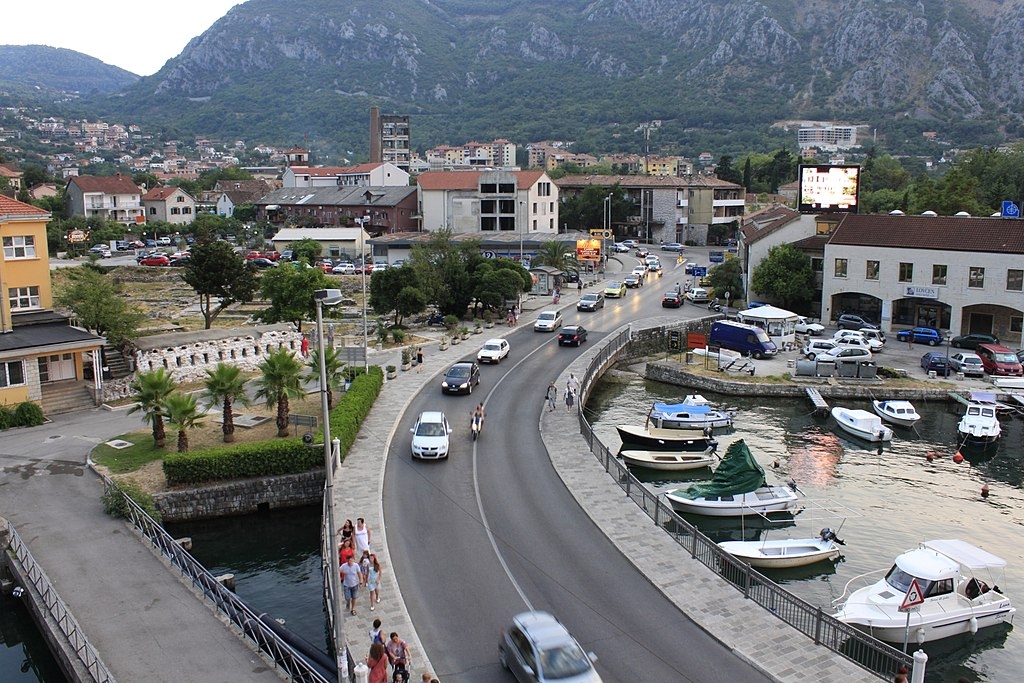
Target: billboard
828, 189
588, 250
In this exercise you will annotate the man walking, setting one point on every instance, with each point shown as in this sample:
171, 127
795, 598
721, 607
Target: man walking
551, 395
350, 579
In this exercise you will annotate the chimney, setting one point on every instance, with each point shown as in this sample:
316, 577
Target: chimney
376, 156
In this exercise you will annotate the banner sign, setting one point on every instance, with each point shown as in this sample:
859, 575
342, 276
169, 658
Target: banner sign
588, 250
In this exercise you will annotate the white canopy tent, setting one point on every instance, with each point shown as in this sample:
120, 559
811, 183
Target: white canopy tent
777, 322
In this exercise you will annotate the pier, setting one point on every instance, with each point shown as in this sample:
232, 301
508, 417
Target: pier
820, 406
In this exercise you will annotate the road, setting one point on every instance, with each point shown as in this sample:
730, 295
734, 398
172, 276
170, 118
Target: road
493, 532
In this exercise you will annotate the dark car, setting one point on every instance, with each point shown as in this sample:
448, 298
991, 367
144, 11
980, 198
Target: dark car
849, 321
920, 335
591, 301
570, 277
971, 341
261, 263
632, 281
573, 335
642, 252
461, 378
937, 361
672, 299
178, 262
155, 260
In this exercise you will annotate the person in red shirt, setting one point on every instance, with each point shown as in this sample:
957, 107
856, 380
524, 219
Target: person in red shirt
378, 663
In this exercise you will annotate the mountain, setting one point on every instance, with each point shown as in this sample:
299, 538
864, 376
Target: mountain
50, 69
593, 71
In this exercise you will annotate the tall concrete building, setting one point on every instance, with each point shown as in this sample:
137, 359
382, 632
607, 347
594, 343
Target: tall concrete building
389, 139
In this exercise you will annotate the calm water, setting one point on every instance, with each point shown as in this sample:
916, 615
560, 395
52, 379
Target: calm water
900, 497
24, 657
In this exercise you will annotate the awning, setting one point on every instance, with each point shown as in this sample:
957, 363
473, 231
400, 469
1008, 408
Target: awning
273, 207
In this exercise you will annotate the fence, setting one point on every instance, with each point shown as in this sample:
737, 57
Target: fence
857, 646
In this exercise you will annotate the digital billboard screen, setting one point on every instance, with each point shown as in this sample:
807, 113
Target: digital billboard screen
829, 189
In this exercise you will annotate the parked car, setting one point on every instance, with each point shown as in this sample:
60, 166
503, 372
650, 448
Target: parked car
461, 378
803, 325
155, 260
591, 301
697, 295
287, 255
816, 347
615, 290
101, 250
937, 361
344, 268
572, 335
619, 248
920, 335
378, 267
164, 241
262, 263
968, 363
178, 262
493, 351
430, 435
671, 299
672, 246
632, 281
547, 321
122, 245
857, 338
849, 321
846, 353
536, 648
971, 341
571, 277
746, 339
999, 360
1020, 355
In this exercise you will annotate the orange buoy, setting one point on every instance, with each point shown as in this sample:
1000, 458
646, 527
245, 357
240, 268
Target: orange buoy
930, 456
984, 491
958, 458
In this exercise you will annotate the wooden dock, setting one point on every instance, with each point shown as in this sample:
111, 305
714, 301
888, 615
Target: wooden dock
820, 406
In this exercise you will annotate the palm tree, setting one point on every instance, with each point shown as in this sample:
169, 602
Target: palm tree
226, 385
281, 381
151, 390
183, 412
555, 254
333, 365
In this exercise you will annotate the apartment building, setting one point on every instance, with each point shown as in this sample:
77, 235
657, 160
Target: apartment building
112, 198
488, 202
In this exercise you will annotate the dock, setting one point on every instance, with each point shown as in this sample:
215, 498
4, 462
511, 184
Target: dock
820, 406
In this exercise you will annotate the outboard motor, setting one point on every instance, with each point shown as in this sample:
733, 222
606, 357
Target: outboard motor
828, 535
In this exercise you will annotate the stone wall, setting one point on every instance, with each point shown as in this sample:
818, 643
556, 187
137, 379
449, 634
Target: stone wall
242, 497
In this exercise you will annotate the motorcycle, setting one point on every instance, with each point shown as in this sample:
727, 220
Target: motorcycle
435, 319
476, 426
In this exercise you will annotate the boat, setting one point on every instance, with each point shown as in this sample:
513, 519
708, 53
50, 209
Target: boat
669, 460
687, 416
785, 553
862, 424
655, 439
979, 425
945, 576
736, 489
899, 413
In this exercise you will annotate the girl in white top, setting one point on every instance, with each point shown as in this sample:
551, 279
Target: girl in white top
362, 536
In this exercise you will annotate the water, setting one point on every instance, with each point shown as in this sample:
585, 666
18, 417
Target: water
24, 656
901, 498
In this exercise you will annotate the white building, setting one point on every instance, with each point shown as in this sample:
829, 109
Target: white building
383, 174
489, 202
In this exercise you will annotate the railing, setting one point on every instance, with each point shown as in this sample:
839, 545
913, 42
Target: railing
53, 603
226, 602
857, 646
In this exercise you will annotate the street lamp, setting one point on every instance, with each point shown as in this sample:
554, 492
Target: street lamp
362, 256
330, 297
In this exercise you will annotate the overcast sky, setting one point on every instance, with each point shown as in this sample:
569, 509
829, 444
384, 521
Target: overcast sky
112, 31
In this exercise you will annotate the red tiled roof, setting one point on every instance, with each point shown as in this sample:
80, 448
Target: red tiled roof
159, 193
12, 207
766, 221
944, 233
469, 180
115, 184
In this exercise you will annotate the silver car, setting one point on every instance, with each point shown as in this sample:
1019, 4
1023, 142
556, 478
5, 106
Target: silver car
967, 363
547, 321
537, 648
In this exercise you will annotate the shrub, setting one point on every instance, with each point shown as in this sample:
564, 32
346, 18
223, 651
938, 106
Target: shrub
28, 414
406, 356
6, 418
115, 505
450, 321
397, 336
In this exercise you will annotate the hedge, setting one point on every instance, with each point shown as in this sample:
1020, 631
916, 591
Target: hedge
25, 414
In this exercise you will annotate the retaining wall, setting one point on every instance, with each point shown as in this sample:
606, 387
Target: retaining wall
242, 497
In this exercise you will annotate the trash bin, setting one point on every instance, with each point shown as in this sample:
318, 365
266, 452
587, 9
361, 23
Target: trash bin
805, 368
689, 357
867, 370
825, 368
847, 369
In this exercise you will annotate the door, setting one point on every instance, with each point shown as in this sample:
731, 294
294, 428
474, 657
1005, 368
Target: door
981, 323
56, 368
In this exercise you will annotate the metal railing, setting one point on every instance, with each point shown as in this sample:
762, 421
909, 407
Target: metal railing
859, 647
60, 613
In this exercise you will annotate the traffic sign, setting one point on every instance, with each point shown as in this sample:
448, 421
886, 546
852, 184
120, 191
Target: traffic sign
600, 233
914, 597
1010, 210
699, 271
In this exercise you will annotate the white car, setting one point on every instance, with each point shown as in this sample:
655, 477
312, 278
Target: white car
344, 268
640, 272
548, 321
846, 353
967, 363
805, 326
619, 248
493, 351
430, 436
857, 338
697, 295
817, 347
101, 250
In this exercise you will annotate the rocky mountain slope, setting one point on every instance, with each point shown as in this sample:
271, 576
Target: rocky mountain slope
41, 68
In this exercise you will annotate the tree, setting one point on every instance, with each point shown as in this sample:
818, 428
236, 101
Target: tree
445, 270
332, 369
290, 292
145, 179
555, 254
225, 385
97, 300
784, 275
500, 281
219, 277
398, 290
151, 390
727, 277
281, 381
725, 170
184, 414
307, 250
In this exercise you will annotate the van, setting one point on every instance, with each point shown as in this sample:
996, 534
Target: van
999, 360
746, 339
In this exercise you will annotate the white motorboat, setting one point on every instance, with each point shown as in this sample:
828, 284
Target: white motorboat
669, 460
899, 413
785, 553
956, 582
979, 424
688, 416
654, 439
862, 424
736, 489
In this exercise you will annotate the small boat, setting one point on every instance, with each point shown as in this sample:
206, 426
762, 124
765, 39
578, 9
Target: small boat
687, 416
952, 598
979, 424
899, 413
862, 424
737, 488
669, 460
786, 553
654, 439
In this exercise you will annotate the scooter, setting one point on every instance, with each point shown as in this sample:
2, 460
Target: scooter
476, 426
435, 319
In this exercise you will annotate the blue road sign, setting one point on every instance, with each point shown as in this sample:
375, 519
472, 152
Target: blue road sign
699, 271
1010, 210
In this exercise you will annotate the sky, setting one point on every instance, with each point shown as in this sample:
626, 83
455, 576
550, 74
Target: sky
112, 30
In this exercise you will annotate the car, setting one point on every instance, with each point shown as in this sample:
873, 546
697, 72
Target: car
672, 246
920, 335
642, 252
688, 268
654, 266
846, 353
630, 244
591, 301
671, 299
632, 281
547, 321
857, 338
262, 263
155, 260
493, 351
430, 436
569, 276
619, 248
398, 263
999, 360
150, 244
968, 363
122, 245
640, 272
803, 325
971, 341
1020, 355
180, 254
326, 265
461, 378
287, 255
572, 335
697, 295
537, 648
378, 267
816, 347
344, 268
164, 241
178, 262
849, 321
937, 361
101, 250
615, 290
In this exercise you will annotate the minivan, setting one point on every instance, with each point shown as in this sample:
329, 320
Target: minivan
999, 360
746, 339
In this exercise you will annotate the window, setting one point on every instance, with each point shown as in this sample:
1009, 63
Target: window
20, 246
840, 267
906, 272
488, 223
976, 277
817, 265
179, 198
1016, 324
488, 206
938, 275
506, 188
186, 209
152, 211
1014, 280
488, 188
175, 211
24, 298
12, 373
544, 189
871, 273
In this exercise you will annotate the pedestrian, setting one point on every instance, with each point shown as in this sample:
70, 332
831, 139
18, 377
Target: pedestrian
554, 296
570, 397
345, 551
551, 395
350, 582
362, 536
304, 346
510, 318
573, 383
579, 286
400, 656
376, 634
378, 663
364, 568
330, 335
346, 530
419, 359
373, 581
515, 315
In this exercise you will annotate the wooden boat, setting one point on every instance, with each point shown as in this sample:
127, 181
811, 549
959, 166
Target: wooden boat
785, 553
862, 424
979, 424
669, 460
654, 439
900, 413
687, 416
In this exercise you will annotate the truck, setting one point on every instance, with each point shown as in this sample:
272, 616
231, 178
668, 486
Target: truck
746, 339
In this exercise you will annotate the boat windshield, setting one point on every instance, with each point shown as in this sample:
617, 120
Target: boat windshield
900, 580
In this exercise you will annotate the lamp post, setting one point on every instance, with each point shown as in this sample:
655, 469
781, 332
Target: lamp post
330, 297
362, 255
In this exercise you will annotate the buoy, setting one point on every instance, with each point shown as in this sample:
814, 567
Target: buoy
984, 491
958, 458
974, 625
930, 456
775, 463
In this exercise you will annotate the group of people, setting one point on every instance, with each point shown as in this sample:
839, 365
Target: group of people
512, 317
572, 388
360, 567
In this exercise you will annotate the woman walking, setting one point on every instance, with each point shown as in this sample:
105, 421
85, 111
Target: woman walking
373, 581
